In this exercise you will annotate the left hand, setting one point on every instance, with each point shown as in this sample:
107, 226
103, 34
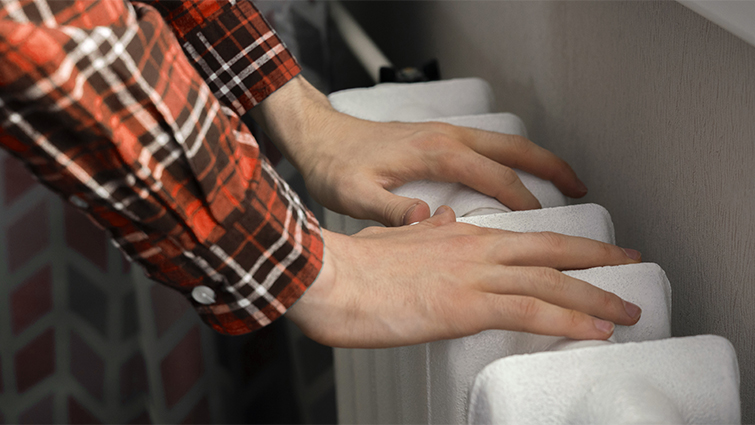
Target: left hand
350, 165
388, 287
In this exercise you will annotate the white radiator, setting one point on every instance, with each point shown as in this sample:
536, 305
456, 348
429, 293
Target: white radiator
641, 375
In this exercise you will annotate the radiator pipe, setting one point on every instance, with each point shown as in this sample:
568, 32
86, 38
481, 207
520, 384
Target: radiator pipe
360, 44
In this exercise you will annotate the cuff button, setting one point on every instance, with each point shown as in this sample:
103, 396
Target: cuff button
203, 295
77, 201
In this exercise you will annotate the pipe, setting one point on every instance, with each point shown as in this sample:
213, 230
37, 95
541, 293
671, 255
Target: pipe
360, 44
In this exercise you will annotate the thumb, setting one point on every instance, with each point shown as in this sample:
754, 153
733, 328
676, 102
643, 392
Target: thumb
392, 210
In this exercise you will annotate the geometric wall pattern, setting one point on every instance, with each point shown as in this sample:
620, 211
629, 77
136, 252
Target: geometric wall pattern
84, 338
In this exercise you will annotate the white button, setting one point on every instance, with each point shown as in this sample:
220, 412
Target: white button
78, 202
203, 295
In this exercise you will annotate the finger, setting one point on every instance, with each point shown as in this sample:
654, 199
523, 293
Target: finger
558, 251
378, 204
556, 288
443, 215
528, 314
486, 176
520, 153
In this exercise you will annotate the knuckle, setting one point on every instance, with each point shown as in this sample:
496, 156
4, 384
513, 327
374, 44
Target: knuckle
441, 127
553, 279
574, 319
526, 308
448, 163
608, 251
470, 229
522, 144
540, 276
608, 301
563, 166
552, 241
393, 213
440, 153
508, 177
433, 141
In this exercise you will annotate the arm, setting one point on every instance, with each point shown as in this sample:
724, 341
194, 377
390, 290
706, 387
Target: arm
143, 145
381, 287
232, 47
348, 164
192, 202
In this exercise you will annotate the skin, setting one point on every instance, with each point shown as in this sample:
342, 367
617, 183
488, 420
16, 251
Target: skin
437, 279
349, 164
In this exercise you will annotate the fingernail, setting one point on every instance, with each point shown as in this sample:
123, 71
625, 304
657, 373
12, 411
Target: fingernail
603, 326
632, 310
632, 253
405, 219
441, 209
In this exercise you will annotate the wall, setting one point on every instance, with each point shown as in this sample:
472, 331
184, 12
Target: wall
653, 105
84, 337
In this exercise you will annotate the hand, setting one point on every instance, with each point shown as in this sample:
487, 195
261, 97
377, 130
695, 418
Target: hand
440, 279
349, 165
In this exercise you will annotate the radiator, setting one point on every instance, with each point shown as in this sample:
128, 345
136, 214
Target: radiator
640, 375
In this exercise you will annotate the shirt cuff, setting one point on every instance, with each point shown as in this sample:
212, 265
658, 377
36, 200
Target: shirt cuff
233, 48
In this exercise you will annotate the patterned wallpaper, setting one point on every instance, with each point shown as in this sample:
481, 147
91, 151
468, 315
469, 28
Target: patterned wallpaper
86, 338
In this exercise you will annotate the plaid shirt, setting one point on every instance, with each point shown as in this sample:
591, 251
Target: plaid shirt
131, 111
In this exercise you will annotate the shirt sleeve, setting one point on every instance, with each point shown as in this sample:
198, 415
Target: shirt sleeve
233, 48
100, 102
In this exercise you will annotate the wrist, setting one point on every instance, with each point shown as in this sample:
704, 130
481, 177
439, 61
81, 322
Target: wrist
307, 312
296, 117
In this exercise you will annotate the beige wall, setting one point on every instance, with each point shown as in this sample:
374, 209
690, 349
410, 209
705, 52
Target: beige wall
654, 107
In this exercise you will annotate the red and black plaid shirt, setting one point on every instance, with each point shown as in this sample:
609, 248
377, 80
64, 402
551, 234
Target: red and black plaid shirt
131, 111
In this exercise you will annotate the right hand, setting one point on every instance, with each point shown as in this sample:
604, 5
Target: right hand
441, 279
350, 165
